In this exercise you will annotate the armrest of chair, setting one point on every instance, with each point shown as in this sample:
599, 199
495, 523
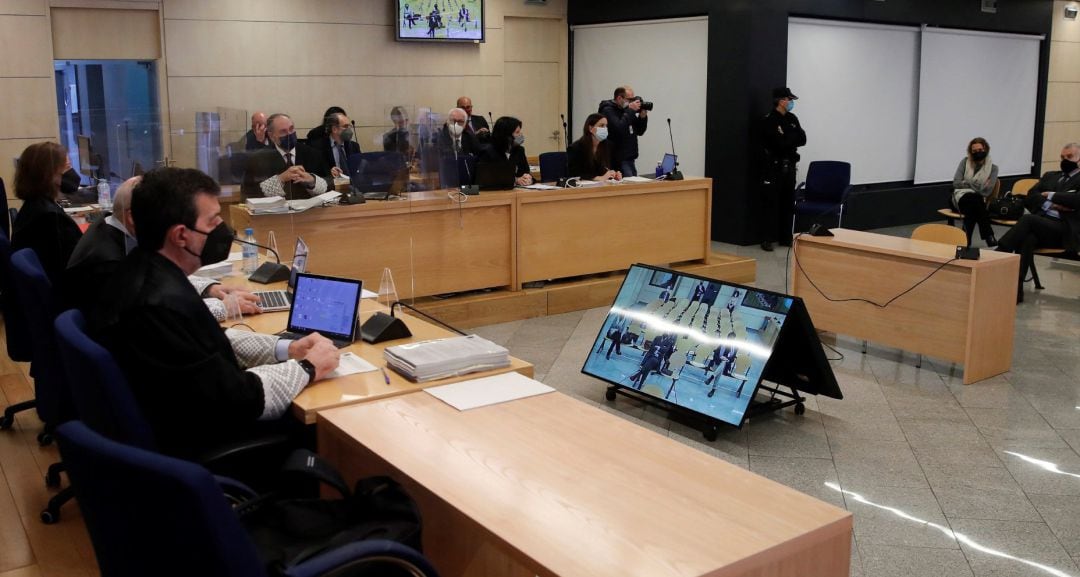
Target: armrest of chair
372, 552
800, 191
243, 449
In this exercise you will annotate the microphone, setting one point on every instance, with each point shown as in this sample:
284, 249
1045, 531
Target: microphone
268, 272
565, 134
675, 174
490, 119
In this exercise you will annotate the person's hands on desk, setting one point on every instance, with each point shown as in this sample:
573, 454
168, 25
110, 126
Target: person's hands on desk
235, 300
296, 173
609, 175
524, 180
319, 351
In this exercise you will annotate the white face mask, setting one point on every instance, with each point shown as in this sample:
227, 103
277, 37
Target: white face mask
601, 133
519, 140
456, 129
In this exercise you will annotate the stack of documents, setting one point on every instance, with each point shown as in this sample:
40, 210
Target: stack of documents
442, 358
302, 204
267, 205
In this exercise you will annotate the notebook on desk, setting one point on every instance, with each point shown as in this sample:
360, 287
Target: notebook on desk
280, 300
326, 305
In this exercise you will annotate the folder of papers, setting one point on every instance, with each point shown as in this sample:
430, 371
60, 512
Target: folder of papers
442, 358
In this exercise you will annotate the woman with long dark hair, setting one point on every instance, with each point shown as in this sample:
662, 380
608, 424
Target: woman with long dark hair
589, 157
974, 182
507, 144
41, 224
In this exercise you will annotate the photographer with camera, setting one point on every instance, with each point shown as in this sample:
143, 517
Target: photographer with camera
628, 118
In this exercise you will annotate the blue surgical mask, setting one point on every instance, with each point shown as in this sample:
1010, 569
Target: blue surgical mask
790, 105
601, 133
519, 140
288, 142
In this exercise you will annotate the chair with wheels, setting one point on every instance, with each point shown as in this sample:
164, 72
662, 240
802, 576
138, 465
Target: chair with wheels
941, 233
53, 405
15, 327
148, 514
552, 166
827, 186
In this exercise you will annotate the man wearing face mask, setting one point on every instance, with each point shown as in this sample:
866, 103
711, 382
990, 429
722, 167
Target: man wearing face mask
398, 139
290, 169
627, 120
105, 244
197, 385
1055, 215
780, 135
339, 145
454, 139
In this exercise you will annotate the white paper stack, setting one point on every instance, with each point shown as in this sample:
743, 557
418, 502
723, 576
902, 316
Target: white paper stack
302, 204
267, 205
442, 358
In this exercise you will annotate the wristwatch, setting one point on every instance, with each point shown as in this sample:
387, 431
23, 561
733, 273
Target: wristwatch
309, 369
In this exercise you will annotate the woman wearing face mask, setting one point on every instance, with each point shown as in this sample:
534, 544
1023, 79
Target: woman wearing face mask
507, 144
973, 183
589, 156
41, 224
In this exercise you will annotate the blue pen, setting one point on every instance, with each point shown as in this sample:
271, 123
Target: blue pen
385, 376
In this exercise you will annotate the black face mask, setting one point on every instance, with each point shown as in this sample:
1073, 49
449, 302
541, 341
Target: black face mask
1067, 165
69, 182
218, 243
979, 156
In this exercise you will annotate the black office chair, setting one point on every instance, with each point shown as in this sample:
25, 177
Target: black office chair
552, 166
454, 172
827, 186
149, 514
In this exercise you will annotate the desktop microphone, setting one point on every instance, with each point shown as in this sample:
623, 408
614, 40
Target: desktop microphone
268, 272
675, 174
490, 119
565, 134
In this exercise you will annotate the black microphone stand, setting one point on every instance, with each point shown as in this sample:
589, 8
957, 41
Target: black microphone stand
565, 134
675, 174
268, 272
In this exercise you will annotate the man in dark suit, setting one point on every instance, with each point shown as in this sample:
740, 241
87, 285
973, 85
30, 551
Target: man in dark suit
255, 139
290, 169
454, 138
477, 125
1054, 220
319, 132
339, 146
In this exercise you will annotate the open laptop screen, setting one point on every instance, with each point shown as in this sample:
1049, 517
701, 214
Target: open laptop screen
325, 304
667, 166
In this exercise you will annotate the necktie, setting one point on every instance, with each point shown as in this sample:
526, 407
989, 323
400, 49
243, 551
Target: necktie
343, 162
288, 159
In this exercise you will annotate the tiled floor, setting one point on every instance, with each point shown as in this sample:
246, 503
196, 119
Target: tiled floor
943, 479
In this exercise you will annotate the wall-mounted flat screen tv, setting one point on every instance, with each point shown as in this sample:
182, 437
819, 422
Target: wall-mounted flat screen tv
440, 20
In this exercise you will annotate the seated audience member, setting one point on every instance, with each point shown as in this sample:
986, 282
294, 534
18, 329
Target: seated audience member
41, 224
507, 144
397, 140
1054, 221
454, 139
256, 138
340, 144
105, 245
589, 156
973, 183
319, 132
290, 169
198, 386
477, 125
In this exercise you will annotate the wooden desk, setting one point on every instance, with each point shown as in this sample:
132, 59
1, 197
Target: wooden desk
364, 386
552, 486
963, 313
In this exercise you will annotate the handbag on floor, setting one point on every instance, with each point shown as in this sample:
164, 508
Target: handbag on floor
1008, 207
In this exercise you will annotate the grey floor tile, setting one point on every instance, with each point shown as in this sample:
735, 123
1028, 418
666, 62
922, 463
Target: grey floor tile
1011, 548
1044, 471
1015, 428
1062, 514
863, 464
906, 517
979, 493
893, 561
937, 433
995, 393
944, 454
805, 475
500, 333
860, 421
785, 434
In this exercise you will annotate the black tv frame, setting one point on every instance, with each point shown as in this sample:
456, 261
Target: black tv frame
797, 362
398, 4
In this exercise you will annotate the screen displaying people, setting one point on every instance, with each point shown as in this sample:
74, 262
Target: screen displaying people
698, 343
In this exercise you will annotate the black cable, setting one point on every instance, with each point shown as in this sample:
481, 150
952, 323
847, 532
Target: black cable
795, 251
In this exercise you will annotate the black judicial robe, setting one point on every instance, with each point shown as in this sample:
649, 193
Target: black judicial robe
95, 259
179, 364
43, 226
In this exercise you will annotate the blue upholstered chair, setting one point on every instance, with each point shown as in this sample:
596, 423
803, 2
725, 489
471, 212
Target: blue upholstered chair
378, 171
148, 514
828, 183
18, 332
552, 166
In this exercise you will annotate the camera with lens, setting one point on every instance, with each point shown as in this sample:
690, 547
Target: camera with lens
645, 104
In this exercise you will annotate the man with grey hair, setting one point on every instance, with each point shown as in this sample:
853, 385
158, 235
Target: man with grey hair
454, 139
1054, 220
290, 168
108, 241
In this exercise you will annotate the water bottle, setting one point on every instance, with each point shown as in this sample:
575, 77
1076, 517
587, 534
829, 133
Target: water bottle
251, 252
104, 197
659, 170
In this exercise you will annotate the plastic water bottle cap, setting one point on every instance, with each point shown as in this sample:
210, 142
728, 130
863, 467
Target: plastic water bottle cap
249, 231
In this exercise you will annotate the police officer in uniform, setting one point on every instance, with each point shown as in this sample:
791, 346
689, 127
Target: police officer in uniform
780, 136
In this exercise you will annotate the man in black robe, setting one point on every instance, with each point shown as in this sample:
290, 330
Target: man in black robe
198, 386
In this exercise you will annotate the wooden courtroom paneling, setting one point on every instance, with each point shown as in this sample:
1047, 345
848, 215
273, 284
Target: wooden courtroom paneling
1063, 102
22, 8
25, 49
89, 34
533, 90
1064, 62
25, 101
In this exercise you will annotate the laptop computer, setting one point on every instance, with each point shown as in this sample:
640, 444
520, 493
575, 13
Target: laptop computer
327, 305
667, 166
498, 175
280, 300
377, 176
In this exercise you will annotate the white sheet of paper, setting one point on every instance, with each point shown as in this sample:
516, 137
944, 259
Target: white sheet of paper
539, 186
350, 365
636, 179
488, 391
366, 294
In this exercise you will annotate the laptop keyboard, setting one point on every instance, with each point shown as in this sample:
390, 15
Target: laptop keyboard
272, 299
